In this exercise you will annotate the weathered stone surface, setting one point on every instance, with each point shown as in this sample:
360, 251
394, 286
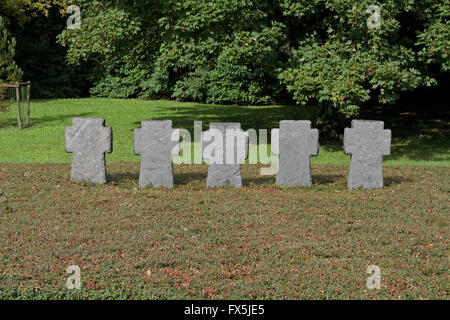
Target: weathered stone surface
88, 139
297, 142
367, 142
225, 145
156, 143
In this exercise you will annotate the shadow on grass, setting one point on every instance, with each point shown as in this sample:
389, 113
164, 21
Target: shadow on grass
414, 137
258, 181
393, 180
186, 178
266, 117
418, 137
35, 122
123, 177
325, 179
201, 177
270, 180
179, 178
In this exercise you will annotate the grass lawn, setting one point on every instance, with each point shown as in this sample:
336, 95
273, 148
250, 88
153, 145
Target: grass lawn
416, 141
194, 242
260, 241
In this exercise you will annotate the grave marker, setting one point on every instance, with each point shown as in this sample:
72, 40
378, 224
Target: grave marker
88, 139
157, 143
225, 145
297, 142
367, 142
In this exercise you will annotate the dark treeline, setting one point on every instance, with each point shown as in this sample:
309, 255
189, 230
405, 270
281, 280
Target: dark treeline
43, 60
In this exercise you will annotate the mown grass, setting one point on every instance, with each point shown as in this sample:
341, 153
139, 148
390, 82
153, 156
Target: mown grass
416, 140
261, 241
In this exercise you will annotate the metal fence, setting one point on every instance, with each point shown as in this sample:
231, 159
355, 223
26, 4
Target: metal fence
17, 94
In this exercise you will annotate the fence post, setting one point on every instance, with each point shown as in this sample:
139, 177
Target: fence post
19, 119
28, 102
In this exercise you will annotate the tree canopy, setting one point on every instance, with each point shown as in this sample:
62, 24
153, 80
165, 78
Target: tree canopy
8, 68
19, 12
256, 51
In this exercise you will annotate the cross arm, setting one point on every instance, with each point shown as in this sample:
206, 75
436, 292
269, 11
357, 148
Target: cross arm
107, 132
386, 144
138, 141
314, 136
68, 136
349, 141
175, 142
275, 142
242, 139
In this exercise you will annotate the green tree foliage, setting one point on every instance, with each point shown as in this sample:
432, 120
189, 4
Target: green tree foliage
214, 51
121, 39
22, 10
342, 62
261, 51
9, 71
434, 41
219, 52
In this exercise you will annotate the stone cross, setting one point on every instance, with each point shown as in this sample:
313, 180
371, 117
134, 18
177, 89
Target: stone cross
157, 143
225, 145
88, 139
367, 142
297, 142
